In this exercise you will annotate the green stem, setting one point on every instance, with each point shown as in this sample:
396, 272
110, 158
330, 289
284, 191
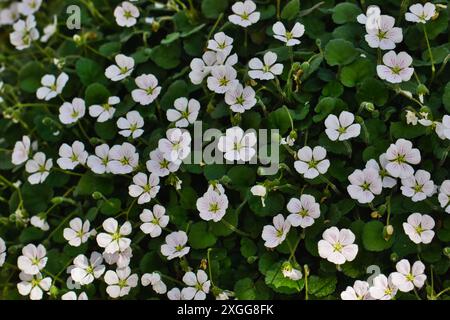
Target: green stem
209, 266
433, 68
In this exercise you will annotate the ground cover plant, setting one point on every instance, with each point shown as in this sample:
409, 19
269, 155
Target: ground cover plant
100, 197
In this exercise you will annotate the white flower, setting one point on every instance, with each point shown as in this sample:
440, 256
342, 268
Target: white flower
411, 117
303, 211
239, 98
71, 156
419, 186
120, 282
372, 15
290, 272
99, 162
126, 14
21, 151
10, 14
155, 280
267, 70
2, 252
419, 228
275, 235
123, 68
184, 113
29, 7
383, 288
396, 67
33, 285
359, 291
72, 295
39, 167
198, 285
365, 184
200, 68
382, 34
342, 128
123, 158
443, 129
105, 111
78, 232
24, 32
222, 79
444, 195
175, 246
33, 259
144, 188
160, 166
387, 181
114, 239
244, 13
39, 223
176, 294
420, 13
71, 112
154, 221
288, 37
311, 162
51, 86
337, 245
259, 191
237, 145
148, 89
177, 146
50, 30
405, 279
131, 125
121, 258
221, 43
212, 206
86, 270
399, 156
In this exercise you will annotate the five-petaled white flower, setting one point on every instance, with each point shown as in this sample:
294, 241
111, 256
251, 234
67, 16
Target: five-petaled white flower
266, 70
419, 228
399, 156
406, 278
338, 246
123, 68
239, 98
175, 245
24, 33
154, 220
120, 282
51, 86
419, 13
123, 158
79, 232
39, 167
342, 128
105, 111
33, 259
71, 156
29, 7
288, 37
311, 162
144, 188
176, 146
244, 13
114, 239
383, 288
185, 112
212, 205
303, 211
148, 89
70, 112
126, 14
386, 179
444, 195
222, 79
237, 145
396, 67
365, 184
382, 33
86, 270
98, 163
359, 291
33, 285
275, 234
160, 166
221, 43
198, 285
155, 280
131, 125
419, 186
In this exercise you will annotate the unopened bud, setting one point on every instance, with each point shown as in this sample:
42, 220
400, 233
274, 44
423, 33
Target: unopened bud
96, 195
422, 89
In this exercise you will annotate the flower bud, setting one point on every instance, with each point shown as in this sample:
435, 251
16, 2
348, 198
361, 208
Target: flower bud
96, 195
422, 89
394, 257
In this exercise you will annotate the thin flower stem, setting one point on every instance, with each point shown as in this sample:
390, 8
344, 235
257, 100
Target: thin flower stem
331, 184
233, 228
172, 279
306, 273
209, 266
416, 294
442, 292
289, 115
219, 18
433, 68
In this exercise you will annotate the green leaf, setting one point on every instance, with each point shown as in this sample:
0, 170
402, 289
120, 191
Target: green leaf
321, 286
340, 52
402, 130
211, 9
372, 90
30, 76
279, 119
166, 56
356, 72
110, 207
372, 237
96, 93
248, 247
245, 289
200, 237
291, 10
446, 97
345, 12
171, 37
242, 176
31, 234
279, 283
89, 71
177, 89
90, 182
274, 203
110, 48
